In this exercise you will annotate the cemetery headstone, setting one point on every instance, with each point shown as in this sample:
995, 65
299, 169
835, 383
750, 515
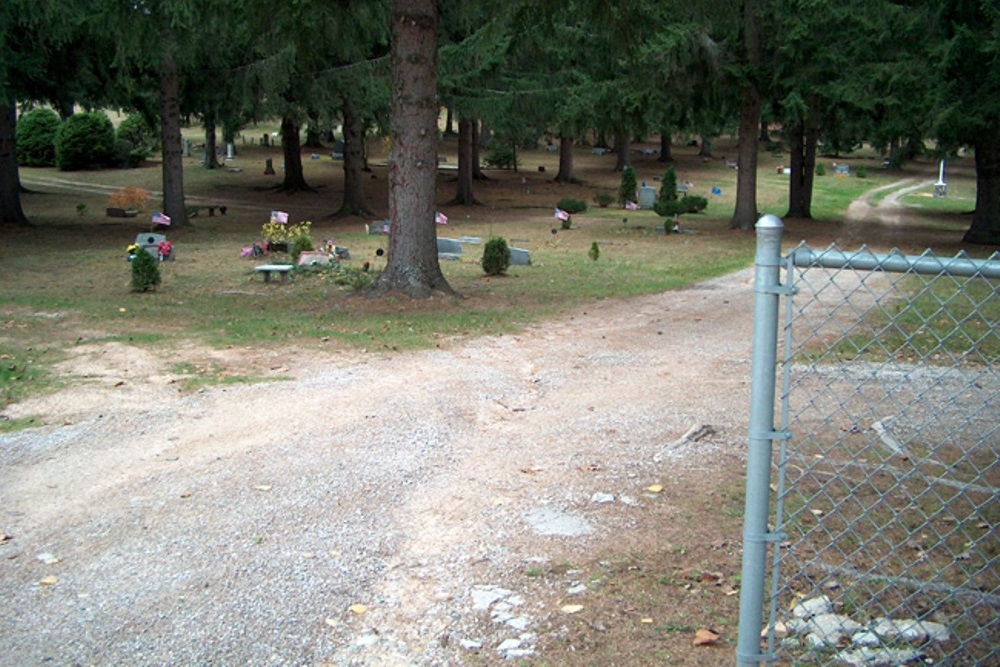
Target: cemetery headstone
647, 196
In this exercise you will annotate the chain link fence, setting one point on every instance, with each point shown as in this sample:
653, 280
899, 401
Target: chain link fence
881, 500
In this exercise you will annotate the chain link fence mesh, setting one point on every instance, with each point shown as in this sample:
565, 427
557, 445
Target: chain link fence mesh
886, 487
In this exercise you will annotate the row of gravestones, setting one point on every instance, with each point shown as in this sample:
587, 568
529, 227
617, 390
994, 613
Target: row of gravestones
452, 249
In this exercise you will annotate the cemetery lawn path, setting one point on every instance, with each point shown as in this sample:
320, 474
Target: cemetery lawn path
438, 507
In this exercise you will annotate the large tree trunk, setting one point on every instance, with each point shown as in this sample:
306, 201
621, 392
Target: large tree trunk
412, 267
211, 153
355, 202
463, 194
10, 179
706, 146
665, 153
170, 135
985, 227
291, 149
745, 214
477, 170
565, 174
803, 142
623, 151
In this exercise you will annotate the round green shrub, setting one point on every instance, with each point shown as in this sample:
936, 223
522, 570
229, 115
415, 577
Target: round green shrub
694, 203
862, 171
136, 129
572, 205
36, 138
604, 199
300, 244
145, 271
496, 256
85, 140
820, 169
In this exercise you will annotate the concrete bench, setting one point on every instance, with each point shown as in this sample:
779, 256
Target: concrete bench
267, 269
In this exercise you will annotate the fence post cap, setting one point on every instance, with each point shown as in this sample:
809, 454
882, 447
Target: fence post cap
769, 221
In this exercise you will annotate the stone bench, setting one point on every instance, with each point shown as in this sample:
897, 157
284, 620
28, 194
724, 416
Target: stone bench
267, 269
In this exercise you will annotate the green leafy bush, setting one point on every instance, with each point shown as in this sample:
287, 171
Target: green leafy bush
626, 192
820, 169
136, 129
572, 205
862, 171
694, 203
594, 252
84, 140
145, 271
300, 244
674, 207
496, 256
604, 199
36, 138
501, 157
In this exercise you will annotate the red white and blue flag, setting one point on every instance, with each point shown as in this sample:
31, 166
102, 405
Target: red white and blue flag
160, 219
631, 205
561, 215
440, 218
280, 217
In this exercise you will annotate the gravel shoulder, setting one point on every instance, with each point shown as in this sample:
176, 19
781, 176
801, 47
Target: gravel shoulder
239, 525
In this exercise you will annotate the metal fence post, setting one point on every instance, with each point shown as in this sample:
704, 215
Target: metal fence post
767, 294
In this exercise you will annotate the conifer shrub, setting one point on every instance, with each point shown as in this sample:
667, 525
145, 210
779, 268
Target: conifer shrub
862, 171
501, 157
85, 140
301, 243
145, 271
668, 186
36, 138
626, 192
496, 256
820, 169
572, 205
595, 251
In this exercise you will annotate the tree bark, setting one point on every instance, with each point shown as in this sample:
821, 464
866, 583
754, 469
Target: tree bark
170, 136
804, 138
706, 147
291, 148
985, 227
745, 214
477, 170
211, 155
623, 150
665, 150
355, 202
463, 194
10, 178
412, 267
565, 174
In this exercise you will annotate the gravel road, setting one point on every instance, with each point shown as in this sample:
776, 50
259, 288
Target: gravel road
245, 525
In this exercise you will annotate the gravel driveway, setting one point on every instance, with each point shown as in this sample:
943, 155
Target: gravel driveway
369, 511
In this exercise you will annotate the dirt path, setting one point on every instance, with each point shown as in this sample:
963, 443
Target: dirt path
238, 525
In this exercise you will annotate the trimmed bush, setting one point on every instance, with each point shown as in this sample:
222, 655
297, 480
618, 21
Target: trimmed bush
85, 140
694, 203
36, 138
604, 199
145, 271
300, 244
626, 192
673, 207
668, 186
135, 142
572, 205
820, 169
501, 157
496, 256
862, 171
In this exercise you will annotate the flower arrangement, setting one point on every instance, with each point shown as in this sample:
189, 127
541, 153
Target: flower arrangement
164, 249
132, 198
276, 232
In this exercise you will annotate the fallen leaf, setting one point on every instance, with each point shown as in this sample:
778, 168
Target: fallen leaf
49, 580
47, 558
655, 488
121, 310
359, 609
646, 620
332, 622
571, 608
262, 487
186, 494
705, 637
711, 577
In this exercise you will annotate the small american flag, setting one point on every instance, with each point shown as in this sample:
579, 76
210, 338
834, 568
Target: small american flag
561, 215
280, 217
631, 206
160, 219
440, 218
